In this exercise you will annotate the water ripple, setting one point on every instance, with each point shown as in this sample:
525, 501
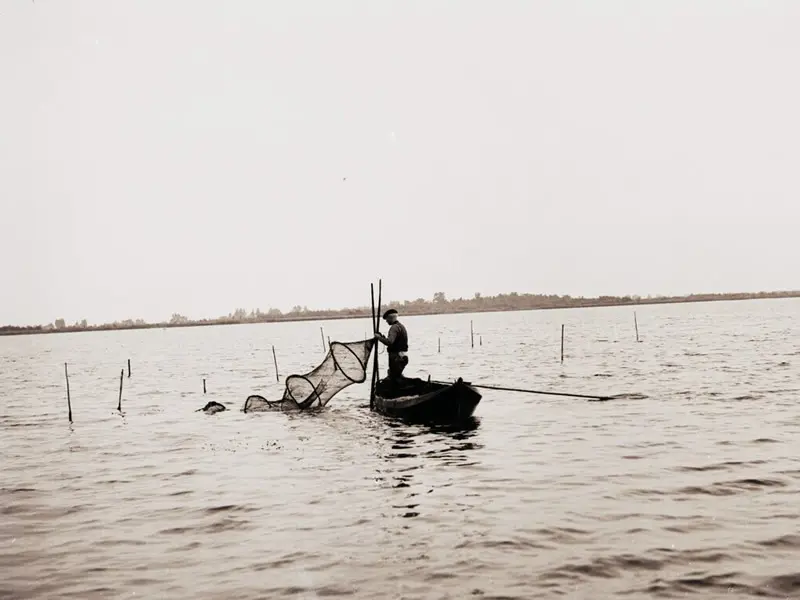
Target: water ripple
684, 485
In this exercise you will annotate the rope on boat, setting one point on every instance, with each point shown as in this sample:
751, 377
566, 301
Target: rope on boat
524, 391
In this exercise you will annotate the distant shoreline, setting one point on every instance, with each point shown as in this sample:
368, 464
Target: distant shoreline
472, 306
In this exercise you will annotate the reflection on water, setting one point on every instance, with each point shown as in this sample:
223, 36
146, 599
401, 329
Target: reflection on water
684, 483
412, 448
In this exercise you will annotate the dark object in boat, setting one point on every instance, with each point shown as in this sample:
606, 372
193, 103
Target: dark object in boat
420, 401
213, 408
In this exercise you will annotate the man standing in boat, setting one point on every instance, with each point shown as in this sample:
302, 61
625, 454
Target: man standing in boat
396, 345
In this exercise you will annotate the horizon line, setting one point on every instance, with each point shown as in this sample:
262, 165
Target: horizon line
418, 307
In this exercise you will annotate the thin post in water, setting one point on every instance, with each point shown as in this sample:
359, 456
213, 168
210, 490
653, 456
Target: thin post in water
636, 325
481, 340
69, 402
275, 360
129, 368
374, 331
119, 403
562, 344
322, 335
204, 385
440, 345
471, 335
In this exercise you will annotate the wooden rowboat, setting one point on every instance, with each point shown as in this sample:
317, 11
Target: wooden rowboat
422, 401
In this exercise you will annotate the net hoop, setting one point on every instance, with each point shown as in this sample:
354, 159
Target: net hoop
309, 400
336, 362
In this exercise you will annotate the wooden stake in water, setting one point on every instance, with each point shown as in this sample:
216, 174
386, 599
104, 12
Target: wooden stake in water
440, 345
322, 335
471, 335
129, 367
119, 403
481, 340
636, 325
562, 344
204, 386
69, 402
275, 360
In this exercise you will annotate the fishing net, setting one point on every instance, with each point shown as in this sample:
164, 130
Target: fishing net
344, 364
257, 403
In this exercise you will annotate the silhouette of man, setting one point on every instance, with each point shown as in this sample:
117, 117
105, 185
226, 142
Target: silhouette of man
396, 345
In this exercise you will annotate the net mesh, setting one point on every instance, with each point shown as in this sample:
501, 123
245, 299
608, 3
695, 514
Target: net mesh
257, 403
344, 364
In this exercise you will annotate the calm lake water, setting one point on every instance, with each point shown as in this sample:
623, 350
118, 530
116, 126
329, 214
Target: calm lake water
685, 484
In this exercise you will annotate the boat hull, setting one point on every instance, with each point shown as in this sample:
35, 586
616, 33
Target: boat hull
429, 402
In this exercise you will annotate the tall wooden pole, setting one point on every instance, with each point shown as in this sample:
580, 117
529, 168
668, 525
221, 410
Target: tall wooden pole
377, 330
129, 367
562, 344
375, 348
275, 360
376, 315
119, 403
471, 335
69, 402
322, 335
636, 324
378, 312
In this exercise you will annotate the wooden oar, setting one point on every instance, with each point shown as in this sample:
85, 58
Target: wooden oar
524, 391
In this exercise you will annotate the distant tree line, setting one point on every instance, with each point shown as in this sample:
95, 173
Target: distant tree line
439, 304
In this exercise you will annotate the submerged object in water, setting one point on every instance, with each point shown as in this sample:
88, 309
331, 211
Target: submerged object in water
213, 408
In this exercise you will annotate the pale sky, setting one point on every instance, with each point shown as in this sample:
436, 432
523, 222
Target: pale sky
188, 156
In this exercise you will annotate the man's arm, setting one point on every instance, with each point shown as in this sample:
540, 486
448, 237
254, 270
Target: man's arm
390, 338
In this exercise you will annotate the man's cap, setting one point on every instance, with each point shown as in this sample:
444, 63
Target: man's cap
391, 311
